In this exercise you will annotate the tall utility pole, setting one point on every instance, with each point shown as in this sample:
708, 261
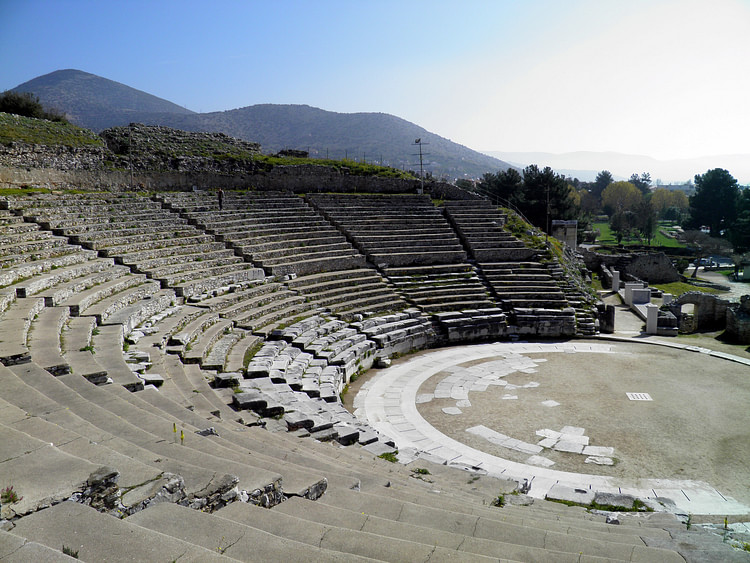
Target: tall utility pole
130, 153
419, 143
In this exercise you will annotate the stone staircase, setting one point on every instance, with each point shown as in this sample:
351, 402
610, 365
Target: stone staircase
393, 231
480, 226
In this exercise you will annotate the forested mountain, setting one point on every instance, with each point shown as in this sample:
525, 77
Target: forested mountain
98, 103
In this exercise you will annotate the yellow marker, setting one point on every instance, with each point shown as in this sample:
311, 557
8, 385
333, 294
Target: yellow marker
174, 427
182, 437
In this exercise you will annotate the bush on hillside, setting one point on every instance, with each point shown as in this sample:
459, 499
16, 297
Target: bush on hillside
27, 105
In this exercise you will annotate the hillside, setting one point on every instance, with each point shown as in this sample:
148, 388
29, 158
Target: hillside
97, 103
374, 137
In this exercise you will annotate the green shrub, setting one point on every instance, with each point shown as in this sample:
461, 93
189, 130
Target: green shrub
27, 105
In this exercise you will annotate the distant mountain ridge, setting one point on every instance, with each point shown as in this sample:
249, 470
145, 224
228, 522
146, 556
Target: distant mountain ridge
98, 103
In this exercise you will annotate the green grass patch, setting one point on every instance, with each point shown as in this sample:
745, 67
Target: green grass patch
250, 352
16, 128
608, 237
390, 456
352, 167
678, 288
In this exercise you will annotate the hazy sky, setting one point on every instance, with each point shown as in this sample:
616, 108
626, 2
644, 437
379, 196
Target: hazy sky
665, 78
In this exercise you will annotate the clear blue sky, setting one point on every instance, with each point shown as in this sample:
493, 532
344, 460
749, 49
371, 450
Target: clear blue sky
666, 78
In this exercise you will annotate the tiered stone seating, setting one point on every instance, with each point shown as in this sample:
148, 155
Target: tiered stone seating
480, 226
398, 333
441, 287
348, 293
413, 245
178, 462
393, 230
521, 284
143, 236
260, 307
277, 231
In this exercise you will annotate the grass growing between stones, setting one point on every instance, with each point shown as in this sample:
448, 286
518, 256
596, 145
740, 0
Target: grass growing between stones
678, 288
250, 352
638, 506
390, 456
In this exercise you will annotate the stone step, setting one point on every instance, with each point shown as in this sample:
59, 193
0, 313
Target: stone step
45, 420
230, 538
132, 315
108, 342
343, 539
204, 278
236, 357
209, 337
191, 330
44, 340
216, 358
257, 317
348, 519
61, 254
177, 247
86, 297
577, 541
175, 265
100, 537
305, 239
148, 430
34, 267
163, 240
405, 259
42, 281
26, 464
12, 252
57, 293
224, 455
104, 308
17, 548
308, 265
108, 244
14, 328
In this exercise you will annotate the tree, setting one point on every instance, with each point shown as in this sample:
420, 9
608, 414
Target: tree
739, 231
646, 220
703, 245
663, 200
620, 196
541, 187
622, 224
642, 182
27, 105
603, 179
714, 203
507, 185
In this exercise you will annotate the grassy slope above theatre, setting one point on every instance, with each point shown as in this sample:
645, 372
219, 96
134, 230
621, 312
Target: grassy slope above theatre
15, 128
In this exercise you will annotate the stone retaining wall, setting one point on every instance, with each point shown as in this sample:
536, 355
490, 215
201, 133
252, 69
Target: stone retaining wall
652, 267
